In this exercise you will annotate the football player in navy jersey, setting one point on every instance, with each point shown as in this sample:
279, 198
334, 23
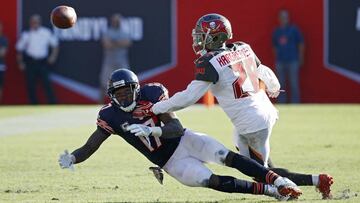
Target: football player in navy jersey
180, 152
233, 72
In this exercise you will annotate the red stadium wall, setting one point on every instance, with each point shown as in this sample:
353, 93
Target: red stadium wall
252, 21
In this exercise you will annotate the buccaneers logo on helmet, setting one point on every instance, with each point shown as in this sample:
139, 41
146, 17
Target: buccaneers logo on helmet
210, 33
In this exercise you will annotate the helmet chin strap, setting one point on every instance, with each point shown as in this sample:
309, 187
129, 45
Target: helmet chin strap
126, 109
129, 108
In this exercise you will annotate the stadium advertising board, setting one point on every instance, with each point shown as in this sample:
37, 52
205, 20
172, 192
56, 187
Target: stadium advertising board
80, 59
342, 37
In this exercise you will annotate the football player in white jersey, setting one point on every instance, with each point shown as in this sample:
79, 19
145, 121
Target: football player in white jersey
232, 72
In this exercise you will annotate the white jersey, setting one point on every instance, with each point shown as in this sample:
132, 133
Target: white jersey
231, 75
237, 90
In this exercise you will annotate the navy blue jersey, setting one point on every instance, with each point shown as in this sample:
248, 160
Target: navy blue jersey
112, 120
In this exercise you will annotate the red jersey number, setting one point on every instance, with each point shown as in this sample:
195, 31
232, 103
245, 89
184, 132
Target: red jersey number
247, 80
147, 140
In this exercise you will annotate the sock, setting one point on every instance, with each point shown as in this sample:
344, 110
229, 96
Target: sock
297, 178
250, 167
270, 189
232, 185
315, 180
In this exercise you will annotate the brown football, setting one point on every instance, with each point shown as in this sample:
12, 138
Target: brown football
63, 17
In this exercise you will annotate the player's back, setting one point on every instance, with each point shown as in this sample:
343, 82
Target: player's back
236, 86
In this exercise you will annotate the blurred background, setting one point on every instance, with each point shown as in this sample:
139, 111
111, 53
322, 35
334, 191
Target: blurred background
161, 51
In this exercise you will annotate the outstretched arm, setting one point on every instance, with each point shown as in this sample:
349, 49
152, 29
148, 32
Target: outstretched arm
194, 91
67, 160
92, 144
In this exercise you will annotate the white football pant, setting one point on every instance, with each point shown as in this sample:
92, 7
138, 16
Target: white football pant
187, 163
258, 141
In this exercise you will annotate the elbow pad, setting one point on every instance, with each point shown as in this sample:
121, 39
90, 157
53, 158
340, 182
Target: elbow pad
269, 78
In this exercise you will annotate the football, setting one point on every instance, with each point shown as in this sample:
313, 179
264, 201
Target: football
63, 17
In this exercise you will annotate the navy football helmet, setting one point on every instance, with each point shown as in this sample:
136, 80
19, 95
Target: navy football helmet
210, 33
129, 83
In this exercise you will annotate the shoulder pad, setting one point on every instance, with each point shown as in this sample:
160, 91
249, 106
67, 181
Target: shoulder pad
235, 44
204, 70
103, 119
154, 92
240, 43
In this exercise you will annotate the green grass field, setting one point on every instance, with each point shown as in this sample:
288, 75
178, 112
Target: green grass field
307, 138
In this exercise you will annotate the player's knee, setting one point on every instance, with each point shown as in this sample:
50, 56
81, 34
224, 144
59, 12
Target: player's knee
221, 155
205, 182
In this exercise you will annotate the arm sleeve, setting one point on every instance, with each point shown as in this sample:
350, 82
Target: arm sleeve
194, 91
54, 41
268, 76
92, 144
21, 43
172, 129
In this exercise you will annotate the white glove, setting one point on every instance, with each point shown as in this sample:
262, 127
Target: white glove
140, 130
66, 160
144, 130
273, 94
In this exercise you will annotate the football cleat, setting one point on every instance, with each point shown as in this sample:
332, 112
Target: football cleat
325, 182
158, 173
287, 188
289, 191
272, 191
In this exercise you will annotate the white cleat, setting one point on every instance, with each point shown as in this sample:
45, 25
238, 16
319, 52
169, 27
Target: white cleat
287, 188
272, 191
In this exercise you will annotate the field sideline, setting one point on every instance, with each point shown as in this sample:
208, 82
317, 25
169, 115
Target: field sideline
307, 138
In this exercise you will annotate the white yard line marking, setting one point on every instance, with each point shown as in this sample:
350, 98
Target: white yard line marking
45, 121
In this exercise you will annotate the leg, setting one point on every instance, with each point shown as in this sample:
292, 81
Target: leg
232, 185
260, 150
294, 82
281, 73
188, 171
44, 73
259, 145
30, 75
207, 149
244, 149
241, 143
192, 172
297, 178
204, 148
322, 182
